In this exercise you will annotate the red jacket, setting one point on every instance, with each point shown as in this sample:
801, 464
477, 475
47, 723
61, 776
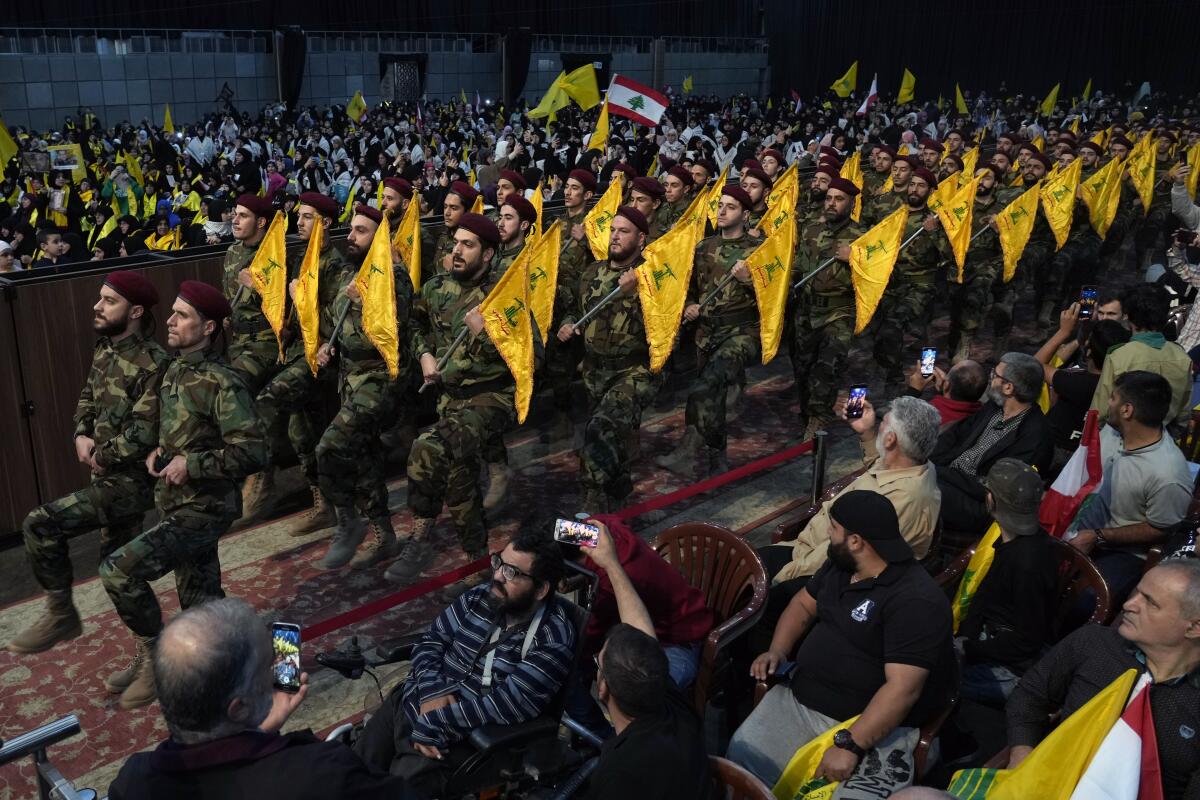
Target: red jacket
953, 410
678, 611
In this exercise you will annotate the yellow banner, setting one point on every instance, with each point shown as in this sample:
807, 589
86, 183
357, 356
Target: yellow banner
540, 261
770, 268
308, 310
956, 215
407, 241
1058, 200
356, 107
1142, 164
788, 186
977, 568
1050, 101
798, 781
536, 202
377, 284
908, 88
662, 286
960, 103
970, 162
1102, 194
852, 171
168, 125
845, 85
597, 220
268, 270
599, 137
509, 324
714, 196
1016, 224
872, 258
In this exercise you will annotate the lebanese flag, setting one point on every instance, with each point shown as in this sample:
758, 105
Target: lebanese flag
1126, 766
640, 103
420, 119
1078, 479
872, 97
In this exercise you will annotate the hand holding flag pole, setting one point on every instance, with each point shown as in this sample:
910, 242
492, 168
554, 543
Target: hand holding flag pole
594, 310
830, 260
445, 359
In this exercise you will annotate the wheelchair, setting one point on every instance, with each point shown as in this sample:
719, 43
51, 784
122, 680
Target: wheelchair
549, 756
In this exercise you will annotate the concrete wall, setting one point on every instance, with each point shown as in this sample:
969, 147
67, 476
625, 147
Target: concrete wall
333, 78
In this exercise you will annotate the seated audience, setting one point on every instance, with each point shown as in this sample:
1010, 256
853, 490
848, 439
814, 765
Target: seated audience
1009, 425
1181, 260
451, 690
1159, 633
1146, 488
1007, 624
212, 666
878, 644
957, 391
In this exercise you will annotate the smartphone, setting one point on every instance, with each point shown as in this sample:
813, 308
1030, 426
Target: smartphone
579, 534
285, 638
161, 461
854, 405
928, 361
1087, 302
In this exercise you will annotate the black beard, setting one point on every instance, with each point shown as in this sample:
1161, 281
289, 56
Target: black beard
841, 557
110, 328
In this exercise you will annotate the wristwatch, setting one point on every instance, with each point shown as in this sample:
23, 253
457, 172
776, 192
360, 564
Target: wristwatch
845, 741
1100, 540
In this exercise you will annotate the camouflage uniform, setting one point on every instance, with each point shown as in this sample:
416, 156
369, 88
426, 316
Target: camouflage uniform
1153, 227
123, 373
202, 411
971, 299
443, 247
494, 451
727, 333
658, 223
876, 208
253, 351
754, 220
824, 318
562, 358
873, 182
1077, 259
669, 213
350, 456
477, 406
907, 304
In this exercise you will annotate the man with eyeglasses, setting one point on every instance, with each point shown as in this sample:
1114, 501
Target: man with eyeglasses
497, 655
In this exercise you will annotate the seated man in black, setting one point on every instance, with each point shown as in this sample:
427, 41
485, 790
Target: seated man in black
1009, 425
498, 655
878, 645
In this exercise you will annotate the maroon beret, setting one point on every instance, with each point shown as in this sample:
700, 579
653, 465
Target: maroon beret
826, 169
914, 162
927, 176
648, 186
760, 176
514, 178
751, 163
1167, 135
627, 168
1121, 140
465, 191
1030, 146
739, 194
829, 161
523, 207
368, 212
773, 153
953, 159
636, 217
843, 185
1093, 146
585, 178
997, 173
133, 286
482, 227
399, 186
206, 299
258, 206
708, 165
1046, 162
325, 206
1066, 136
826, 150
890, 151
684, 176
931, 144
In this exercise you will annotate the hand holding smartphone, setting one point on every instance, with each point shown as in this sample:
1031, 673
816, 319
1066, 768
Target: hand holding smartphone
1087, 302
579, 534
285, 640
854, 405
928, 361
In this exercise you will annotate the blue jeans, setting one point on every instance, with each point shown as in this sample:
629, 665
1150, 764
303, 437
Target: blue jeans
989, 684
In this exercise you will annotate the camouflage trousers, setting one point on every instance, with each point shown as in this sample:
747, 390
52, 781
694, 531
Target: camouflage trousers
443, 466
294, 395
254, 358
1068, 269
1154, 227
720, 367
616, 398
115, 504
971, 300
904, 312
350, 458
183, 542
822, 351
561, 367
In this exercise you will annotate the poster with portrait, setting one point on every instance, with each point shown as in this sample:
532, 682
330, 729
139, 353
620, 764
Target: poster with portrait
66, 157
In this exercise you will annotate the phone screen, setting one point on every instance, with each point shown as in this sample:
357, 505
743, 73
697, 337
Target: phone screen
1087, 302
285, 638
854, 405
577, 533
928, 360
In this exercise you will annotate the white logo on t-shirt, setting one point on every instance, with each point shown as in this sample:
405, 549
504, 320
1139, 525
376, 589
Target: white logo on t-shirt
862, 611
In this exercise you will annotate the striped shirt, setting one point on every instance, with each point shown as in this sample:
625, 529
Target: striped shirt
451, 656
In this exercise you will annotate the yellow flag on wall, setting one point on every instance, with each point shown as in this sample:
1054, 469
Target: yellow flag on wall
407, 242
770, 268
509, 324
597, 220
872, 257
376, 284
308, 311
1016, 224
268, 270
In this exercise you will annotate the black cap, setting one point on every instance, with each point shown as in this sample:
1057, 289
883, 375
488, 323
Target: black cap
873, 517
1017, 493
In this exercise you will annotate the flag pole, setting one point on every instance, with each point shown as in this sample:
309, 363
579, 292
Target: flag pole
237, 297
716, 290
445, 359
337, 326
594, 310
829, 261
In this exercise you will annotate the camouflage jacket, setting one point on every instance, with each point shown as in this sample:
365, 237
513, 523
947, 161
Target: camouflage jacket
734, 306
829, 295
918, 262
573, 258
505, 256
443, 247
876, 208
754, 221
873, 182
124, 374
356, 353
658, 223
669, 213
618, 332
808, 211
986, 248
203, 412
247, 320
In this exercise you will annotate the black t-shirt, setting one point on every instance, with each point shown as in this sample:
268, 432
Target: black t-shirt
1074, 388
900, 617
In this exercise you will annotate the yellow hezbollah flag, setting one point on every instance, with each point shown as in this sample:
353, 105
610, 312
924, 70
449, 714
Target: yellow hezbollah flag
1142, 163
1016, 223
770, 268
1193, 160
345, 215
308, 312
852, 171
694, 216
688, 85
555, 98
846, 84
599, 137
1075, 127
356, 107
956, 217
798, 781
1050, 101
8, 148
1087, 90
509, 325
714, 195
960, 103
597, 220
407, 242
477, 206
872, 257
536, 202
1054, 769
168, 125
462, 95
970, 160
908, 88
268, 270
1102, 193
662, 287
788, 186
134, 167
580, 86
376, 283
541, 264
1058, 201
977, 568
941, 195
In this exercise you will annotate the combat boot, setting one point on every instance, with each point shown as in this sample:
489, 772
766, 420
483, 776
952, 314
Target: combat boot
716, 460
382, 546
963, 350
451, 592
497, 493
682, 460
346, 538
59, 623
141, 690
814, 424
734, 396
416, 552
317, 518
258, 494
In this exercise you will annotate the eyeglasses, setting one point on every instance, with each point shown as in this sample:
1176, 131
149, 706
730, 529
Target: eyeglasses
507, 571
998, 375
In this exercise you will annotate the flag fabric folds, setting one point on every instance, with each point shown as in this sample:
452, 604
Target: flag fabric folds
688, 85
770, 266
597, 220
977, 567
872, 258
870, 99
537, 201
477, 206
714, 195
555, 98
1078, 479
662, 287
407, 242
636, 101
308, 311
1016, 224
599, 137
580, 86
970, 163
268, 270
845, 85
908, 88
1102, 194
1126, 765
541, 263
348, 209
8, 148
168, 125
1051, 101
960, 103
1058, 200
852, 171
1142, 164
798, 781
356, 107
509, 324
956, 215
1087, 90
376, 284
